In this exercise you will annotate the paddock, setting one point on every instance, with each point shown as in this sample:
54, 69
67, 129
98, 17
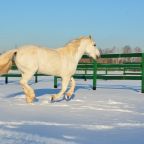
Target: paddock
114, 113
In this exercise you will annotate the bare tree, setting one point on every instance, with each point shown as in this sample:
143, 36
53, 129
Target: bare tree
137, 50
127, 49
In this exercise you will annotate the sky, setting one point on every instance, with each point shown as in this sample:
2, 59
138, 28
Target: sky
53, 23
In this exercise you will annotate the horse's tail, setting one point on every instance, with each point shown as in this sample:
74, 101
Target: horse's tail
6, 61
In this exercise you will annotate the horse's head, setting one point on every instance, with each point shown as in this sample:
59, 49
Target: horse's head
91, 49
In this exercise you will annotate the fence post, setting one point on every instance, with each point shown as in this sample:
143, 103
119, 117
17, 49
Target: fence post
36, 77
85, 72
124, 71
94, 75
55, 82
6, 79
106, 72
142, 80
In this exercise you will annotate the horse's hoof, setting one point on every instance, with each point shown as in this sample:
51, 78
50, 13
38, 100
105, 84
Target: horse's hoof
29, 101
67, 98
52, 99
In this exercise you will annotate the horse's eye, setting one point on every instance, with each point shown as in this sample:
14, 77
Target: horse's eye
94, 45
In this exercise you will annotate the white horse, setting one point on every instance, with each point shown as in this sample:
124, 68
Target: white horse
60, 62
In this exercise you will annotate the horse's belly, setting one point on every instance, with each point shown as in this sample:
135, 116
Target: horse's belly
49, 62
49, 69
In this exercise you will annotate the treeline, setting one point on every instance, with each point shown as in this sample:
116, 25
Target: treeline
126, 49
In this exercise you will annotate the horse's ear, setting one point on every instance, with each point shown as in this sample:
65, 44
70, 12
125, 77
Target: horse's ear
90, 37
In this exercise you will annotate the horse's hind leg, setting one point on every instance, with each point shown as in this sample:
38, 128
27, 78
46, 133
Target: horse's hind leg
72, 87
29, 92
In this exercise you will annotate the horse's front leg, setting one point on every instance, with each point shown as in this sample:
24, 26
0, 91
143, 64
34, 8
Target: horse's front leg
65, 82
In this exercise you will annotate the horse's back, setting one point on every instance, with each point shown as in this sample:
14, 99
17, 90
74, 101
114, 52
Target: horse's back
27, 50
35, 58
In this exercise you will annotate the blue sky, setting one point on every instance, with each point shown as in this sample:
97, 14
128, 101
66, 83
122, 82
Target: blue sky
53, 23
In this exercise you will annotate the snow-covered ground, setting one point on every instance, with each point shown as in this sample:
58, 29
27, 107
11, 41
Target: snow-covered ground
113, 114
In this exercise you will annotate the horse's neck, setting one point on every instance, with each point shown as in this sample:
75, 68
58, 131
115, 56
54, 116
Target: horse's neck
79, 54
74, 53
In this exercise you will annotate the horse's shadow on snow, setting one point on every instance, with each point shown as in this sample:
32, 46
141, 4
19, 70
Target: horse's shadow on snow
49, 92
52, 91
38, 92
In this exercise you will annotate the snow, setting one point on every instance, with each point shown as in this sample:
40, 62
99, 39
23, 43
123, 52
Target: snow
114, 113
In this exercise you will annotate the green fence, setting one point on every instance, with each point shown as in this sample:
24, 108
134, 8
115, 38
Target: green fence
132, 66
95, 67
